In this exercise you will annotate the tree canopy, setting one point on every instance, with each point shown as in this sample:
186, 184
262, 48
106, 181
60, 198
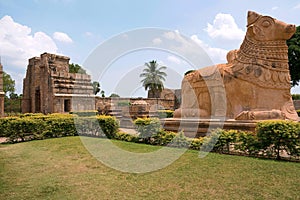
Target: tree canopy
96, 87
8, 84
294, 57
153, 77
75, 68
114, 95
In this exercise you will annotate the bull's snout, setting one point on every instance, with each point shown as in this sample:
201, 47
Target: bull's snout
290, 28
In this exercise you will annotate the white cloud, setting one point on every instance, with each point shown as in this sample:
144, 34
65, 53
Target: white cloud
225, 28
88, 34
216, 54
174, 59
274, 8
156, 41
297, 6
18, 43
62, 37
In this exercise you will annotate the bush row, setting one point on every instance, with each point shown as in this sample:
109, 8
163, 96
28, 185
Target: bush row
271, 139
39, 126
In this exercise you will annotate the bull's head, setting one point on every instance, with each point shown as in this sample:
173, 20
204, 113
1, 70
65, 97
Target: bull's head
265, 28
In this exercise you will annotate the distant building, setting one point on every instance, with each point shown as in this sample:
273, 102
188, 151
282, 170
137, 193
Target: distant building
49, 87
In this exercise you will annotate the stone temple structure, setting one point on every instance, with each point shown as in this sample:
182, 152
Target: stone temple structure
49, 87
253, 85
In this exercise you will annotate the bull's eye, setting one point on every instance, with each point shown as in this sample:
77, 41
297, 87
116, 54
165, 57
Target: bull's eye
266, 23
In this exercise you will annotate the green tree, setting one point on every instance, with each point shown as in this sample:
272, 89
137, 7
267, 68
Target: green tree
102, 93
96, 87
153, 77
75, 68
294, 57
114, 95
8, 84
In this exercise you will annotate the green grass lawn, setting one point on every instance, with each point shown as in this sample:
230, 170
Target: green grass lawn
63, 169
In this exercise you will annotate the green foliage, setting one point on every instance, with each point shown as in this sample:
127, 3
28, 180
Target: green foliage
8, 84
162, 137
220, 140
165, 113
75, 68
109, 125
123, 103
126, 137
180, 141
12, 104
196, 143
294, 57
37, 126
278, 135
296, 96
96, 87
247, 142
102, 93
153, 77
147, 127
114, 95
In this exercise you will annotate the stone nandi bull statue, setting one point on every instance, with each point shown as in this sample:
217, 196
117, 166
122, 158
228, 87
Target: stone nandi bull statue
253, 85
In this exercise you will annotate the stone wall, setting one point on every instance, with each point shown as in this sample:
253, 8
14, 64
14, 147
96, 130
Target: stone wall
153, 102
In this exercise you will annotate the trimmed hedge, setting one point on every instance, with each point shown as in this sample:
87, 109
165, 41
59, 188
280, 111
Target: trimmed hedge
147, 127
271, 139
38, 126
277, 136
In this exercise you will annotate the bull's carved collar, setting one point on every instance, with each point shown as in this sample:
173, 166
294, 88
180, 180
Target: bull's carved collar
269, 54
262, 63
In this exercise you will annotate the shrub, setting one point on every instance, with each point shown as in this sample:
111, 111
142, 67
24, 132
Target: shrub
162, 137
109, 125
37, 126
180, 141
126, 137
278, 135
165, 113
296, 96
147, 127
59, 127
196, 143
247, 142
100, 126
220, 140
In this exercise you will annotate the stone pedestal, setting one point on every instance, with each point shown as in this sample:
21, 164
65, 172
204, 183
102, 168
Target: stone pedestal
200, 127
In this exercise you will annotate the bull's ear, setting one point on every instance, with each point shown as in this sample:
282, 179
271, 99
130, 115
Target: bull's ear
252, 17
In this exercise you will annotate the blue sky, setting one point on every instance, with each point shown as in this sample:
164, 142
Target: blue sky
75, 28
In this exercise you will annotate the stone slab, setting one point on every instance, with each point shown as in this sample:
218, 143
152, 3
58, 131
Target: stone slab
200, 127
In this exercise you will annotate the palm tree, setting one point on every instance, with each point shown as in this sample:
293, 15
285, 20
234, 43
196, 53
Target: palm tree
153, 78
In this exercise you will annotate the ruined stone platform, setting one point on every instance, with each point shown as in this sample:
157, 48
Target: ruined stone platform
200, 127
